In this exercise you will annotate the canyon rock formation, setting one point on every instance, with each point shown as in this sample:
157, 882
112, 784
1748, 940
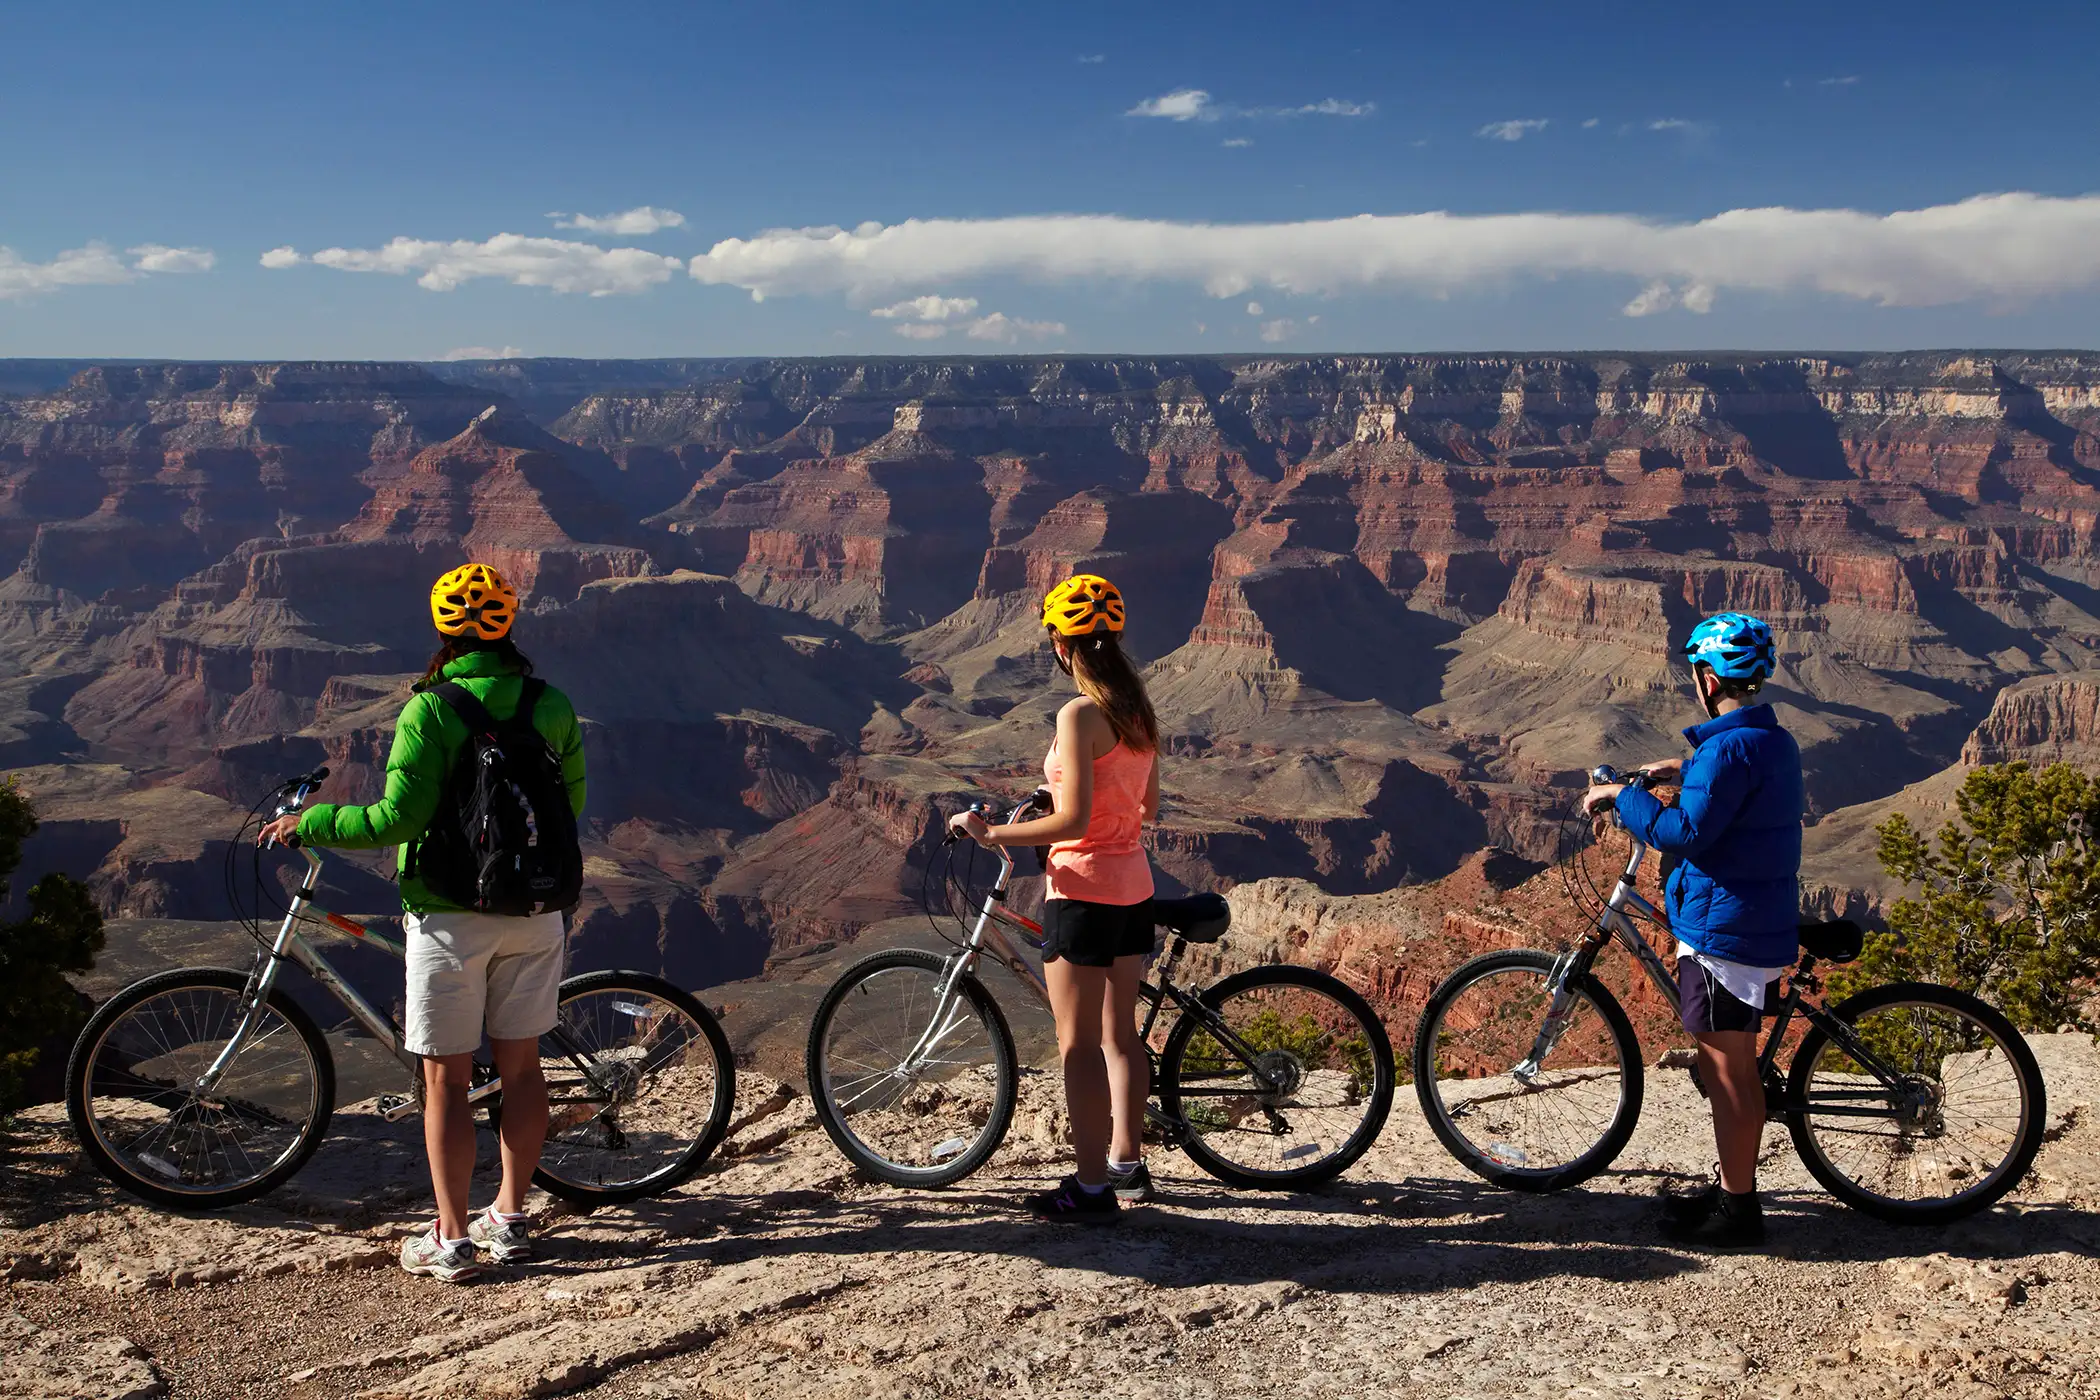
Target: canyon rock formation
1392, 606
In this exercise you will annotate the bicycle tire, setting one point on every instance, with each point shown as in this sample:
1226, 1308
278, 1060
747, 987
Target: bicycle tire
1005, 1072
1586, 1164
2027, 1141
690, 1158
1379, 1102
87, 1054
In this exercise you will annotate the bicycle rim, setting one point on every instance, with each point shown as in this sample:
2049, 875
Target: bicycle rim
138, 1096
1958, 1133
1318, 1089
917, 1099
1521, 1125
633, 1091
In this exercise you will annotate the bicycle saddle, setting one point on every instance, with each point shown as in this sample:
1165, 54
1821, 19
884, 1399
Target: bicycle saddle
1200, 918
1837, 940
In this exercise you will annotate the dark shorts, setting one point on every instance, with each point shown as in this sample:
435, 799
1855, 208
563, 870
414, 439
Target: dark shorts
1706, 1005
1095, 935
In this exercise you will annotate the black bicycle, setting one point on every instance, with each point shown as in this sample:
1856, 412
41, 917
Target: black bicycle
1912, 1102
1274, 1077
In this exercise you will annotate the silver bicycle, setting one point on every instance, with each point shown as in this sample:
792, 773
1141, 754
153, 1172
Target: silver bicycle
1274, 1077
207, 1086
1912, 1102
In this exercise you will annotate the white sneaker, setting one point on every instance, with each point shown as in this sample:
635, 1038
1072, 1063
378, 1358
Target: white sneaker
427, 1254
504, 1241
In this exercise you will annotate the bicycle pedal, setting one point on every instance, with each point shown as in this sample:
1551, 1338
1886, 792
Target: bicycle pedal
395, 1107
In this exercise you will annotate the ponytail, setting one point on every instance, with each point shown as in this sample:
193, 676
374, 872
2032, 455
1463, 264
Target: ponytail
1106, 677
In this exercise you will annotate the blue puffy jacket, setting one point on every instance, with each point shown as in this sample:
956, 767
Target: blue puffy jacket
1736, 830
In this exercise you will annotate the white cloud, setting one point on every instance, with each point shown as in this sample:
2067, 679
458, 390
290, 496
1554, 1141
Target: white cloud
94, 265
1093, 58
1196, 105
1513, 130
1698, 299
1998, 249
286, 256
928, 308
1654, 297
1235, 142
515, 258
922, 331
1180, 105
483, 352
1000, 327
159, 257
628, 223
1589, 123
1274, 331
1254, 308
1847, 81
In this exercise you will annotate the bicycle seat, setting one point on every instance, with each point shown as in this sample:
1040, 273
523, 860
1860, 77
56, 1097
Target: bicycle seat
1837, 940
1200, 918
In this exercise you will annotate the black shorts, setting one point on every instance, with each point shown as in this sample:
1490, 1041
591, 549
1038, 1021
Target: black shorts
1095, 935
1705, 1005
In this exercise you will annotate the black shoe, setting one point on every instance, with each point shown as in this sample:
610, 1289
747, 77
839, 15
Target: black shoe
1735, 1222
1132, 1186
1681, 1210
1069, 1201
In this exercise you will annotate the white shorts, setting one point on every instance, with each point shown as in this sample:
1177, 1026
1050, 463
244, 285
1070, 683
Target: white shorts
469, 972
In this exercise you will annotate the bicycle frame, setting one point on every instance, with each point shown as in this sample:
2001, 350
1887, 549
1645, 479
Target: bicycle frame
1615, 924
987, 937
291, 945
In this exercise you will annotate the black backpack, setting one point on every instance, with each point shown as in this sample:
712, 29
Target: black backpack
504, 837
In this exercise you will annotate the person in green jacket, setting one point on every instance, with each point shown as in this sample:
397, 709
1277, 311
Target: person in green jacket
468, 972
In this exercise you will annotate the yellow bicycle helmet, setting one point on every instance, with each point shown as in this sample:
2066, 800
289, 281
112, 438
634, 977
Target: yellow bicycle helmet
473, 598
1083, 604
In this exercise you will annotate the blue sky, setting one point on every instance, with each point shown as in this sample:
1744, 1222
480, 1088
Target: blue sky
930, 161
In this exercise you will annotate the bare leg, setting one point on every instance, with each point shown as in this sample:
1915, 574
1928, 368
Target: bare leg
1728, 1068
448, 1138
524, 1123
1129, 1071
1076, 995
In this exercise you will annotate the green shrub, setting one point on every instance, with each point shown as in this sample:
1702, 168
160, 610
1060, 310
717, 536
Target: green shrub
62, 934
2008, 902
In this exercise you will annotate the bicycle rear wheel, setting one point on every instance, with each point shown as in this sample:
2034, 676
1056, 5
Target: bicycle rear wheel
640, 1086
137, 1110
1958, 1132
912, 1094
1324, 1088
1534, 1128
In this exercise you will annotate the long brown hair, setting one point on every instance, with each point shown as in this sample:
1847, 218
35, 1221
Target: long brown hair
456, 647
1106, 677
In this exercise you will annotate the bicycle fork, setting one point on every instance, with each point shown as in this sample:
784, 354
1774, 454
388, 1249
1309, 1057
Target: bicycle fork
1568, 969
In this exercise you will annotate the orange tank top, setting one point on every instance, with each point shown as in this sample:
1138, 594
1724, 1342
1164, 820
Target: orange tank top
1108, 864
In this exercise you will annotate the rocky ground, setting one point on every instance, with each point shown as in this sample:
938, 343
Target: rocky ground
778, 1273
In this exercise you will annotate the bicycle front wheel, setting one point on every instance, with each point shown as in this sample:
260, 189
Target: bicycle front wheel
640, 1086
1313, 1098
915, 1089
142, 1116
1513, 1104
1956, 1130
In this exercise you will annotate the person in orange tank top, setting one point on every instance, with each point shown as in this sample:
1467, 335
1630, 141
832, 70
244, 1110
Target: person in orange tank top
1103, 768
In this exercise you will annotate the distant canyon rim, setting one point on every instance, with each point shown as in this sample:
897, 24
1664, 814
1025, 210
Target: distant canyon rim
1391, 605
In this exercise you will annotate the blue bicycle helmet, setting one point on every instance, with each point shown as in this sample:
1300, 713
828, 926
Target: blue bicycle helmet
1738, 646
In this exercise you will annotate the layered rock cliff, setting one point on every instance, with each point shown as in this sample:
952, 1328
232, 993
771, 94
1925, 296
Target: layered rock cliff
1391, 606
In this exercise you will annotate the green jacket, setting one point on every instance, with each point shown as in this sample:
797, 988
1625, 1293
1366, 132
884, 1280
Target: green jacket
428, 740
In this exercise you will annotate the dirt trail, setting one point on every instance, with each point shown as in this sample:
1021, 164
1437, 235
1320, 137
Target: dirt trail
777, 1273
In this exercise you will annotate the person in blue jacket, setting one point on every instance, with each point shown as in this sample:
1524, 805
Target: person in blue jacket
1733, 900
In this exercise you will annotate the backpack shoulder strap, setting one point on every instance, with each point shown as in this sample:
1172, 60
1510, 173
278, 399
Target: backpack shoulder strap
527, 698
463, 704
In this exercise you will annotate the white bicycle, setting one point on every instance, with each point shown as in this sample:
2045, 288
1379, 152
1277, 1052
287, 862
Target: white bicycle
207, 1086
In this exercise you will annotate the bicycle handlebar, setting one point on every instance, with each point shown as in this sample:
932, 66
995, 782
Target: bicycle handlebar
1039, 801
295, 791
